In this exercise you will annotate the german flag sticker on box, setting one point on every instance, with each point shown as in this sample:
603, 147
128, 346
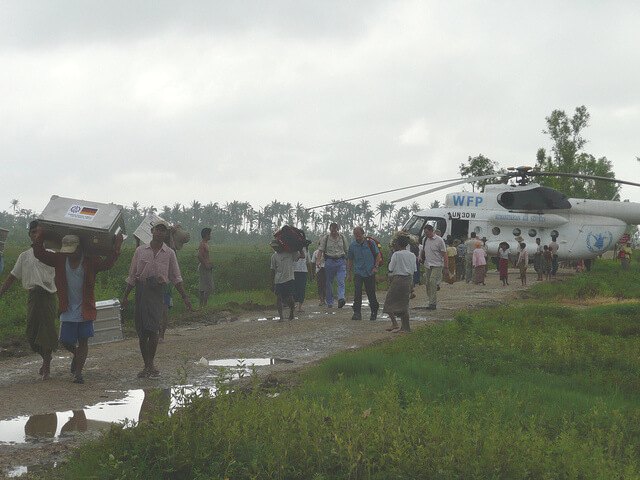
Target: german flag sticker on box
81, 212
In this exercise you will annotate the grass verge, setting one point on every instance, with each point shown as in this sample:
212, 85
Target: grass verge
528, 391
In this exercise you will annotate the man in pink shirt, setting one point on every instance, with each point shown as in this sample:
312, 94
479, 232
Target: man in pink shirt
152, 266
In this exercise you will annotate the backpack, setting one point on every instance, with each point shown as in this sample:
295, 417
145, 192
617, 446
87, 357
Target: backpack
373, 250
292, 239
326, 240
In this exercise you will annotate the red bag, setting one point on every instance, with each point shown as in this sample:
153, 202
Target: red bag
292, 239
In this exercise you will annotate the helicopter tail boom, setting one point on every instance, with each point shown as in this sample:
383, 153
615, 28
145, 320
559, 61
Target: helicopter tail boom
627, 212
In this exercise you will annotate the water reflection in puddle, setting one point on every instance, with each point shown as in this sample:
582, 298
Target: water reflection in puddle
137, 405
17, 472
246, 362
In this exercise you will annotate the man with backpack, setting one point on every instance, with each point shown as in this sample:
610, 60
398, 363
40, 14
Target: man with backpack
333, 248
364, 256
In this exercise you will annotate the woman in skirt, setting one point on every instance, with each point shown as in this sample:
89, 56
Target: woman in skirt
401, 269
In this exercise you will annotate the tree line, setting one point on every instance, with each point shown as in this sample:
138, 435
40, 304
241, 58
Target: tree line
238, 221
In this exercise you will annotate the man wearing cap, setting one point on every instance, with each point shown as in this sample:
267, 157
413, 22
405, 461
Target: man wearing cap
75, 279
38, 279
152, 266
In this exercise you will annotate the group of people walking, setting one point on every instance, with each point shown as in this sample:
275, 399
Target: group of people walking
70, 275
336, 261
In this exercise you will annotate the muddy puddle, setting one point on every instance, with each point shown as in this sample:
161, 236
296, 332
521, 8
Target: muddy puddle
20, 470
135, 406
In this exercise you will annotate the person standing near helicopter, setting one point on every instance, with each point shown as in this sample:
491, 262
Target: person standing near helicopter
468, 258
554, 247
503, 262
434, 256
537, 259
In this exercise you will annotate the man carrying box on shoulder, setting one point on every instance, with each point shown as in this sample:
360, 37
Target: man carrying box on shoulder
75, 280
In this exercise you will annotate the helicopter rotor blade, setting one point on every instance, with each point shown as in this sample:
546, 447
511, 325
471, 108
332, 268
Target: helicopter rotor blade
453, 184
380, 193
578, 175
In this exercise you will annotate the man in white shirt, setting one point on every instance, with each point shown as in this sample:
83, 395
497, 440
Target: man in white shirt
38, 279
282, 280
434, 256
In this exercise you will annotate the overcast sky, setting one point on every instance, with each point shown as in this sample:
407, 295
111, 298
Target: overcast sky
164, 101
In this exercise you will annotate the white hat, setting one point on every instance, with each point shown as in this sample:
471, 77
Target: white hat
70, 243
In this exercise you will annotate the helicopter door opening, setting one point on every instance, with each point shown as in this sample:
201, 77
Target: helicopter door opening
459, 229
416, 225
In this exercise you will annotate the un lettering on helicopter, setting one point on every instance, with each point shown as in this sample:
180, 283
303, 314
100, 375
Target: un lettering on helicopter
524, 211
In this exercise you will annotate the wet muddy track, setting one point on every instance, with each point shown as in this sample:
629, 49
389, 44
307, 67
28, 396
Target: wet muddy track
110, 372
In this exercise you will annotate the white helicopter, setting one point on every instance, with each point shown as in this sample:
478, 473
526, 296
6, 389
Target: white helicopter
503, 213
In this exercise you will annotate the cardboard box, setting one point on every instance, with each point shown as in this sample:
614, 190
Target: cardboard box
107, 326
143, 232
96, 224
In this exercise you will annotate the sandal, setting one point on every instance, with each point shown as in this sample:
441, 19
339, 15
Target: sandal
144, 374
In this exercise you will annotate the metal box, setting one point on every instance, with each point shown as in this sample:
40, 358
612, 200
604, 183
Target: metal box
3, 238
95, 223
143, 232
107, 327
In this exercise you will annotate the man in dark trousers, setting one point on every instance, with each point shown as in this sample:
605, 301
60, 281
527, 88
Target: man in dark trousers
364, 257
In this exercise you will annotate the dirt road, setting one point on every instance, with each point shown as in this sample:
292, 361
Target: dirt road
110, 372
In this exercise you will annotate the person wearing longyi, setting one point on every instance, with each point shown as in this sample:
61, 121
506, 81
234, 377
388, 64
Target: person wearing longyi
152, 266
75, 279
38, 279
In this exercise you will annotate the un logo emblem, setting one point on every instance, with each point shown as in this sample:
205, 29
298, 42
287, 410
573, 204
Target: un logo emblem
599, 242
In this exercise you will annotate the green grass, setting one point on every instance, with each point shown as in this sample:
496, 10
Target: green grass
528, 391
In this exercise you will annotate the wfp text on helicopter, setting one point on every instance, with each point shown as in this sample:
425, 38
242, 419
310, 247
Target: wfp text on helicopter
523, 211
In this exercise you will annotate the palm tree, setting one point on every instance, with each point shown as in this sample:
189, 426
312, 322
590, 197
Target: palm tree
195, 209
384, 208
363, 207
14, 203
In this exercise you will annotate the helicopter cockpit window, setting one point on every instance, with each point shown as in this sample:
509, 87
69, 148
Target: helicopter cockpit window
495, 231
415, 225
540, 198
516, 232
532, 232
